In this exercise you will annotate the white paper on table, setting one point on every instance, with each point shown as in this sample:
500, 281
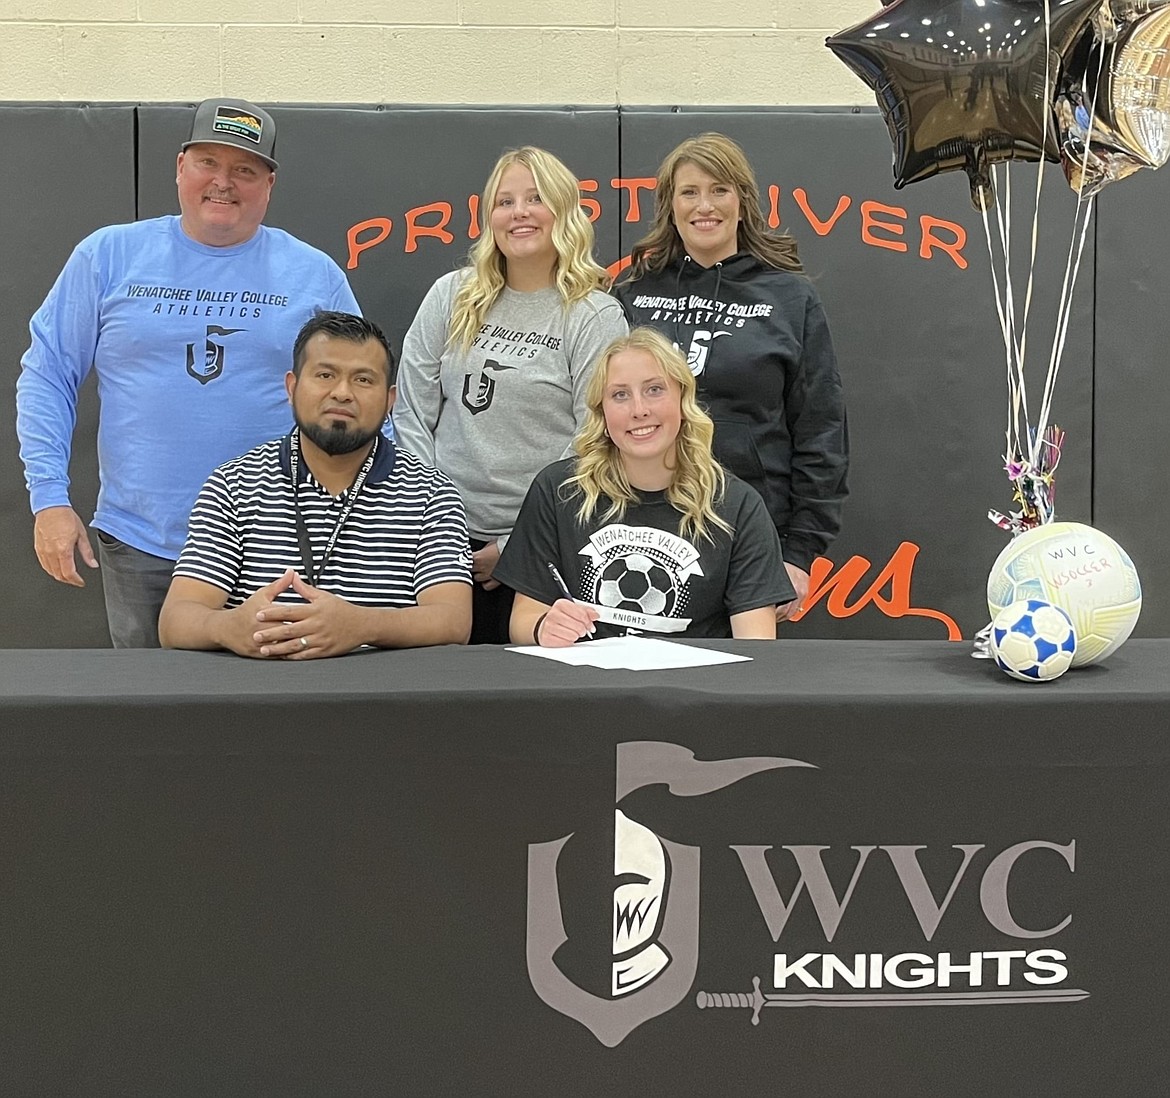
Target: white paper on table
632, 654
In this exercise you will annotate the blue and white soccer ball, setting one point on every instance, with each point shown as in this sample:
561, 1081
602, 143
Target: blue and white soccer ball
1033, 640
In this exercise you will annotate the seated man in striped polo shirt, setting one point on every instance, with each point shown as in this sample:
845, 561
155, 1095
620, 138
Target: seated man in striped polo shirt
331, 537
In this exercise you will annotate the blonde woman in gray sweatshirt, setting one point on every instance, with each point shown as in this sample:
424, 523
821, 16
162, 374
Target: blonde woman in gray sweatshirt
491, 387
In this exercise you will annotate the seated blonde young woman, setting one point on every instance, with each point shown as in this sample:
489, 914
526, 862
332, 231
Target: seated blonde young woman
643, 529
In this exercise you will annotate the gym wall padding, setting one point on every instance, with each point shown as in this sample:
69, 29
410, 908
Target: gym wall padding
68, 171
1131, 462
916, 333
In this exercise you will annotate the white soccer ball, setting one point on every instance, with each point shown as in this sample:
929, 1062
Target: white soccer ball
1033, 640
1079, 569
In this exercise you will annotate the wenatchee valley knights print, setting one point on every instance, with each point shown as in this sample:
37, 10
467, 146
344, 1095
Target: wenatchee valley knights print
639, 576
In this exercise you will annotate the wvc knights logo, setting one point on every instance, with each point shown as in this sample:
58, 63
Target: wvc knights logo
213, 355
655, 899
652, 954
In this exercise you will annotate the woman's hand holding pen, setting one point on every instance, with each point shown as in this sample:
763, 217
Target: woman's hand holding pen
577, 616
565, 623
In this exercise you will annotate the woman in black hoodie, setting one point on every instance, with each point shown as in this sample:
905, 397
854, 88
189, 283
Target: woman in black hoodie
711, 277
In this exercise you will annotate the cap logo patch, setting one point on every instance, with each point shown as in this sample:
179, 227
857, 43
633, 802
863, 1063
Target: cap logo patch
234, 121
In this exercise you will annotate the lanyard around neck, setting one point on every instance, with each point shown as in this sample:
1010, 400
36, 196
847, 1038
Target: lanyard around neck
313, 569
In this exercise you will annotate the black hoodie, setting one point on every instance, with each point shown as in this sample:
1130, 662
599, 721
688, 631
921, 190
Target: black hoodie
757, 340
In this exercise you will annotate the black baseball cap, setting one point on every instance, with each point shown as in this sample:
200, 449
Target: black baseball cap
238, 123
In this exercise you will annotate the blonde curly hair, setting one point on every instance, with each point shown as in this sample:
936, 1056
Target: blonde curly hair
697, 481
576, 273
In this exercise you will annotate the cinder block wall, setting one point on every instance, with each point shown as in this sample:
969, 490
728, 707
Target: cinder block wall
430, 51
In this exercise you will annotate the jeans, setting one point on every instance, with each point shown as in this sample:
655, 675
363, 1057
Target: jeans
135, 584
491, 610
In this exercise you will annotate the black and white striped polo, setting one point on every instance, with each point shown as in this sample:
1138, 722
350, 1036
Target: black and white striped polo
405, 533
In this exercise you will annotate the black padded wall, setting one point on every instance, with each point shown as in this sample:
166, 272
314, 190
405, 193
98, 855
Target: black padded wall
1132, 402
916, 333
69, 170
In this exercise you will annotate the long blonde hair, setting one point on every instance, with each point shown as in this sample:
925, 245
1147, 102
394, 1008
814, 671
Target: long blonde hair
723, 160
697, 481
576, 273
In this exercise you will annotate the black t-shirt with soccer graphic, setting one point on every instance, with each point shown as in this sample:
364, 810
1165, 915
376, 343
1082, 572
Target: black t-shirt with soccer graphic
638, 570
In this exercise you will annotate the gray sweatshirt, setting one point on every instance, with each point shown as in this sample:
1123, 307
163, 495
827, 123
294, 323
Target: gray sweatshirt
493, 416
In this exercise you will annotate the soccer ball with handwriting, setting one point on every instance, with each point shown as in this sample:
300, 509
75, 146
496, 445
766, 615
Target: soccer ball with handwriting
1033, 641
1079, 569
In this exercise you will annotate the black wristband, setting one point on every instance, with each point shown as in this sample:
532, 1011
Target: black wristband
536, 628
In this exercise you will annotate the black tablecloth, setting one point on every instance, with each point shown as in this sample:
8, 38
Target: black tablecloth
227, 877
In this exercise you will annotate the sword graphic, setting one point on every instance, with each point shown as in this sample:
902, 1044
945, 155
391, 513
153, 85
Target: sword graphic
756, 1000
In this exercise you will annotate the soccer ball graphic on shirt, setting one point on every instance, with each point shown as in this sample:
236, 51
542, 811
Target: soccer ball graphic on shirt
1033, 640
639, 584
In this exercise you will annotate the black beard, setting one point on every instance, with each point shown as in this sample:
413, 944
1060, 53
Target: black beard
337, 439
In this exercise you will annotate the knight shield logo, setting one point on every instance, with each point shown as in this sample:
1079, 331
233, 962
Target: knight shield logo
213, 355
480, 400
700, 347
654, 903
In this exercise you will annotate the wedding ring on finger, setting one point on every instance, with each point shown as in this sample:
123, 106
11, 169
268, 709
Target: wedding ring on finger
304, 643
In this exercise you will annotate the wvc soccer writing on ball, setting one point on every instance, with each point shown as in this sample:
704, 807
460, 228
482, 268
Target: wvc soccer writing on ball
1062, 595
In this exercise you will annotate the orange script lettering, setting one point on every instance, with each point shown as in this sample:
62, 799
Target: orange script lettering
836, 587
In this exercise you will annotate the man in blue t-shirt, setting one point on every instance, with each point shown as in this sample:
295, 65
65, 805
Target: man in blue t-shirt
187, 321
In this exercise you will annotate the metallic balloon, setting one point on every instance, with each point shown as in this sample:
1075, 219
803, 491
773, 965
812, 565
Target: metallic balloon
1115, 16
965, 83
1126, 82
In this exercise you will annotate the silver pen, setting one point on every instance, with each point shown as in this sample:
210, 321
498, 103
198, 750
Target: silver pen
564, 587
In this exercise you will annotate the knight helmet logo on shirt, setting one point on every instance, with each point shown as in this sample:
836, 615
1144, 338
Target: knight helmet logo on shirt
213, 355
700, 346
485, 387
